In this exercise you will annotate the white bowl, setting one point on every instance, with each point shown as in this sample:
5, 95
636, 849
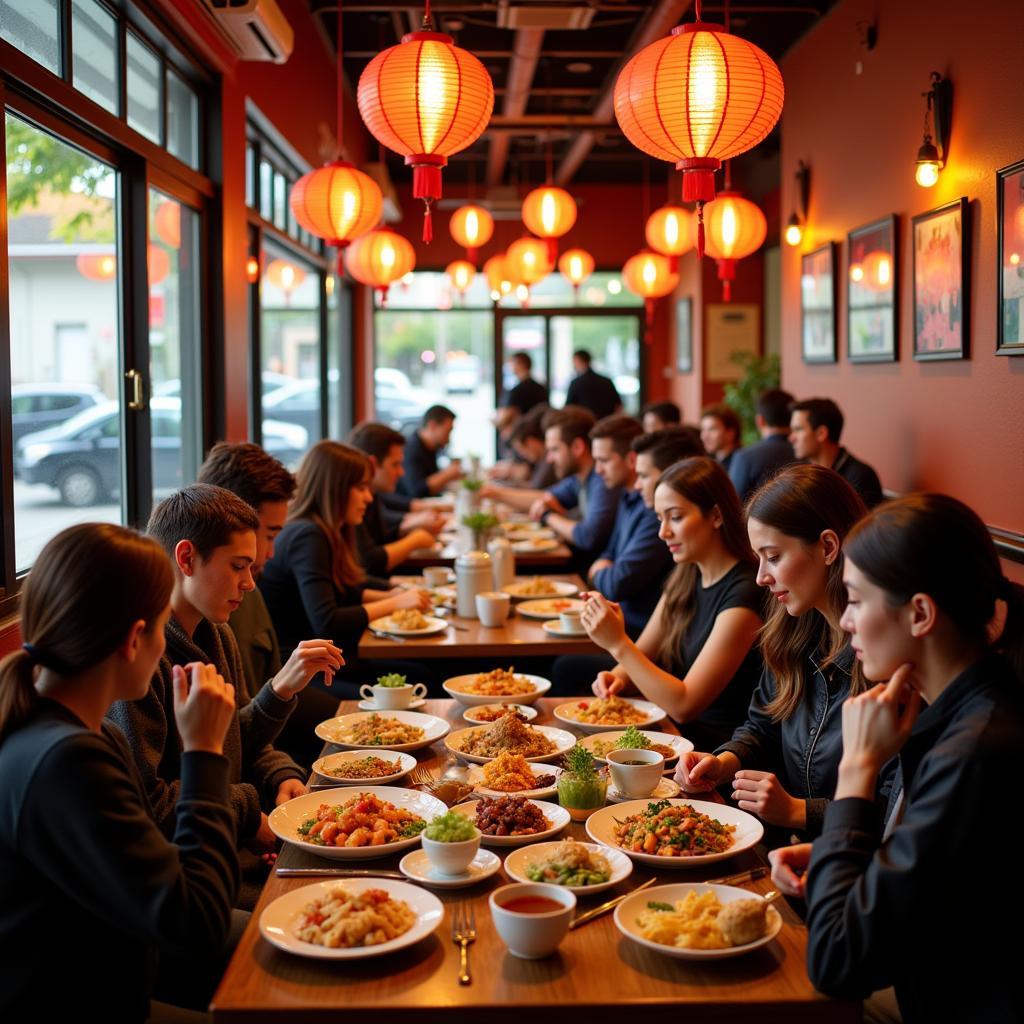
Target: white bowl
680, 744
563, 741
324, 766
651, 711
452, 688
636, 780
532, 936
517, 862
451, 858
434, 729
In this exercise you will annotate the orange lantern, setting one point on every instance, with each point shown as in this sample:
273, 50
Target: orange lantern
576, 266
649, 275
158, 264
471, 227
426, 99
549, 213
252, 269
876, 271
379, 258
736, 227
336, 202
167, 223
697, 98
668, 231
527, 261
286, 276
498, 280
461, 274
96, 266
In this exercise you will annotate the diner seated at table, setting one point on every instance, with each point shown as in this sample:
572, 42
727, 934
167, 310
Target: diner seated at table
530, 468
721, 433
423, 476
93, 893
656, 451
943, 640
754, 463
698, 656
209, 535
659, 415
782, 762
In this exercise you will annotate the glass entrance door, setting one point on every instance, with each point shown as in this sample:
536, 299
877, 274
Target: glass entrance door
614, 346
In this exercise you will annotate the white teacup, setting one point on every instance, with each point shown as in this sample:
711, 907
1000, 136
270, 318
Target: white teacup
532, 935
451, 858
436, 576
570, 622
633, 779
392, 698
493, 607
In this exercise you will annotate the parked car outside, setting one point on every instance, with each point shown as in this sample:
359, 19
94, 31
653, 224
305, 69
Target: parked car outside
38, 407
461, 373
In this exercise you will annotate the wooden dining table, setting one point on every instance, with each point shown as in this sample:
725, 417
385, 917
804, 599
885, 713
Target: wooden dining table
558, 558
597, 976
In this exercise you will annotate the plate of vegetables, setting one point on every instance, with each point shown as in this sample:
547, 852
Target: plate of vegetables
583, 868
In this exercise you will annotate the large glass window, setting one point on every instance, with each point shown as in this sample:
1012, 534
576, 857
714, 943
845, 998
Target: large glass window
614, 345
33, 26
65, 372
144, 94
95, 57
182, 120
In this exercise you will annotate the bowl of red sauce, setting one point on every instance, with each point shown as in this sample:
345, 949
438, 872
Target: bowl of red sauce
531, 917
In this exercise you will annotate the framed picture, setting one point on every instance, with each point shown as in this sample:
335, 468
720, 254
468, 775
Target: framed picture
732, 327
941, 288
1010, 272
684, 335
818, 305
871, 289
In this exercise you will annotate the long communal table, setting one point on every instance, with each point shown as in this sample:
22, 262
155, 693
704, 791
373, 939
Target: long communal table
536, 561
596, 977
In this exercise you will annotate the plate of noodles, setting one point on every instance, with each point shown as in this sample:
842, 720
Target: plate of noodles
389, 730
549, 607
510, 733
485, 687
539, 586
351, 920
364, 767
607, 714
513, 774
694, 921
409, 622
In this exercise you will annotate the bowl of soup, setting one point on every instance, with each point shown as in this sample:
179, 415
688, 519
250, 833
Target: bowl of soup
532, 918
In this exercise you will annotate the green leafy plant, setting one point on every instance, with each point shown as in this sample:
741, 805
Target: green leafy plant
580, 762
391, 679
471, 483
480, 521
759, 374
633, 739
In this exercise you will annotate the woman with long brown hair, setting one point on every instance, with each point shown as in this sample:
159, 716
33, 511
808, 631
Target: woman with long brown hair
697, 656
782, 761
87, 880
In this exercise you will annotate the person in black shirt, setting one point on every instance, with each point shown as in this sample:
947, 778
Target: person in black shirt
697, 656
721, 433
814, 430
422, 476
590, 389
755, 463
527, 392
879, 901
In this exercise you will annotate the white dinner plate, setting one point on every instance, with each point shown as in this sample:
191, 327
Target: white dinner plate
454, 687
679, 744
434, 625
416, 865
548, 607
562, 589
601, 828
523, 533
563, 741
471, 713
628, 910
371, 705
475, 778
665, 790
517, 863
446, 595
285, 819
279, 921
323, 767
434, 728
653, 714
534, 547
557, 816
554, 627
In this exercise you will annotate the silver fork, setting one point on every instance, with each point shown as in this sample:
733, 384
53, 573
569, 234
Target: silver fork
463, 933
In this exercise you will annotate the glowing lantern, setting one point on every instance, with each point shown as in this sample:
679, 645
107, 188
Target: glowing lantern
158, 264
96, 266
167, 223
736, 227
426, 99
576, 266
471, 227
549, 213
697, 98
252, 269
498, 280
380, 258
286, 276
461, 274
648, 275
876, 271
668, 231
527, 261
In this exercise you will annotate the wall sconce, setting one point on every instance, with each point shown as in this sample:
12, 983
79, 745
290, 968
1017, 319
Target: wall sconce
795, 225
931, 157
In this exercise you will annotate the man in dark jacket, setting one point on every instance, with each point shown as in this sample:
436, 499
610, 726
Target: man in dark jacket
754, 464
591, 390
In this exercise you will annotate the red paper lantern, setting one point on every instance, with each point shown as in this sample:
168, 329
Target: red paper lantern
96, 266
549, 212
669, 231
498, 280
461, 274
167, 223
527, 261
252, 269
379, 258
472, 227
697, 98
158, 264
649, 275
576, 266
426, 99
285, 275
736, 227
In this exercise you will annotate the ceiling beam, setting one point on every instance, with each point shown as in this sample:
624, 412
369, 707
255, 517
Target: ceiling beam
661, 21
525, 55
507, 54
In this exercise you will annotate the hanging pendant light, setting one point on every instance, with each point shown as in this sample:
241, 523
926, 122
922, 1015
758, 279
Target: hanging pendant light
696, 98
426, 99
648, 275
875, 271
472, 227
576, 266
167, 223
498, 281
103, 266
337, 202
527, 261
379, 258
668, 230
736, 227
252, 269
461, 274
549, 212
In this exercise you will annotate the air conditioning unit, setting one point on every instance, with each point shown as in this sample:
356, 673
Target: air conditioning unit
257, 29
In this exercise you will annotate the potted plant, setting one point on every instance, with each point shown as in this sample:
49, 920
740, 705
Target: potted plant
468, 497
759, 374
478, 527
582, 788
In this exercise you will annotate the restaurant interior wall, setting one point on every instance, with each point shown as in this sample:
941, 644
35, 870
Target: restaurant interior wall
952, 426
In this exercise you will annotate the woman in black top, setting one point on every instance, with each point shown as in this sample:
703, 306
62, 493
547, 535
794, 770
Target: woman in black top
923, 906
697, 656
90, 889
782, 760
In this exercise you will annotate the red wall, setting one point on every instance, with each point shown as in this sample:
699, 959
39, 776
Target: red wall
950, 426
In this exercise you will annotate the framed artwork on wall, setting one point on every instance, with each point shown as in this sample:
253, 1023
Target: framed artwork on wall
1010, 272
941, 286
871, 290
684, 335
818, 305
